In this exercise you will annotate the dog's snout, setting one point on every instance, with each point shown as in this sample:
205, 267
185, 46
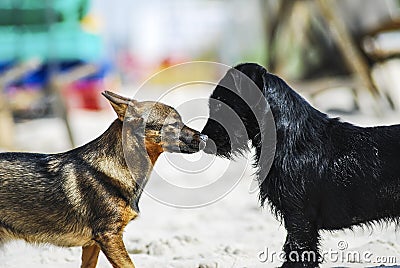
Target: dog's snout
192, 140
203, 138
187, 135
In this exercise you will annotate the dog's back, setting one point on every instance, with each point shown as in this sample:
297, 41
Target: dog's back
360, 179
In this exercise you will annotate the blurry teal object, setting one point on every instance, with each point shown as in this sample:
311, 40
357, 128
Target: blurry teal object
46, 29
57, 42
34, 12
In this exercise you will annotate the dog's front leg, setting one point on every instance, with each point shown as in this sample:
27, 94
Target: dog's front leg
301, 245
90, 255
113, 247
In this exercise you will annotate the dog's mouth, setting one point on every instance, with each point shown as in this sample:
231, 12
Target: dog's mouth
190, 141
212, 148
198, 144
192, 144
219, 141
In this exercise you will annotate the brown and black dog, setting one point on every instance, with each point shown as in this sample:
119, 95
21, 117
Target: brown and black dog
85, 197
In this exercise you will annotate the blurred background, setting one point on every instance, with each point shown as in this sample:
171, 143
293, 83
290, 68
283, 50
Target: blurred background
56, 56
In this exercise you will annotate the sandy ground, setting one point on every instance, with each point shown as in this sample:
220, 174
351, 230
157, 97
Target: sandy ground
231, 232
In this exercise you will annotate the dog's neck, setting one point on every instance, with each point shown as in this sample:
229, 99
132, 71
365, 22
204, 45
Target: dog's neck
154, 150
293, 116
296, 122
121, 155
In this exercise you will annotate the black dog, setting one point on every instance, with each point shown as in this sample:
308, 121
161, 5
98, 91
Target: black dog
325, 174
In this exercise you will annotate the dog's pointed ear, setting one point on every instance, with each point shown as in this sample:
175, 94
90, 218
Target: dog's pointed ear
120, 104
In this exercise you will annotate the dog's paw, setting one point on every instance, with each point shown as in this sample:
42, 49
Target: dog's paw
209, 264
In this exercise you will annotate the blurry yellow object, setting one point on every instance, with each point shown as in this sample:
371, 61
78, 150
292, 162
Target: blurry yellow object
91, 23
175, 74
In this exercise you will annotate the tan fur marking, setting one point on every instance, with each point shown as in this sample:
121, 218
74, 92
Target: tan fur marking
127, 214
113, 247
153, 150
90, 255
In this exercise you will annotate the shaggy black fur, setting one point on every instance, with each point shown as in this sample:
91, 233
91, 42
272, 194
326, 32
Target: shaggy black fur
326, 174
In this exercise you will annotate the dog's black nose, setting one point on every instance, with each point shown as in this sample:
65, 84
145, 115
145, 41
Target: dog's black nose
203, 141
